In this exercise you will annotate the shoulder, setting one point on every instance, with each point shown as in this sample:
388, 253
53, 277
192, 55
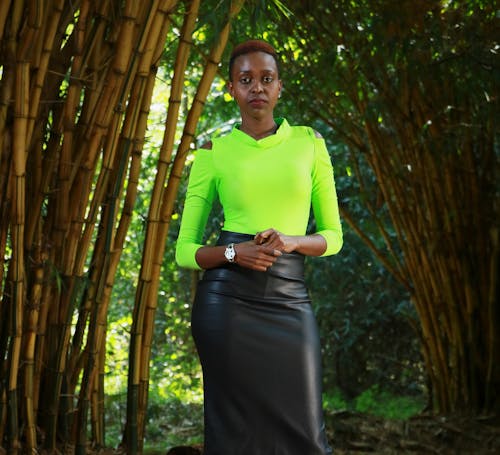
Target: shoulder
216, 142
312, 132
207, 145
303, 130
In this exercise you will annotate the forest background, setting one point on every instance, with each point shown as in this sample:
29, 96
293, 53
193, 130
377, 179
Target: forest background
102, 105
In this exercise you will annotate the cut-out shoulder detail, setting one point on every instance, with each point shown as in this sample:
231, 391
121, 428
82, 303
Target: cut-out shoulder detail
318, 135
207, 145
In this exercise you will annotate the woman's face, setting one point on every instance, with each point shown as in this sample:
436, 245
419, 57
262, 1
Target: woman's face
255, 85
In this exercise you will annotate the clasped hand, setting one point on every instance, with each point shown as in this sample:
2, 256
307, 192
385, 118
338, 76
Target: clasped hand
263, 251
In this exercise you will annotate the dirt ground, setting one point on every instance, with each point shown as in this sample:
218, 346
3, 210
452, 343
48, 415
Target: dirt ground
422, 435
361, 434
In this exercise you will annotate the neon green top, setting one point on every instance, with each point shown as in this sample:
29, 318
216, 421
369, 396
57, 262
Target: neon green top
261, 184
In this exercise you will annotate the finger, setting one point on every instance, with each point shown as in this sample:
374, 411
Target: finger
262, 262
267, 252
259, 267
266, 261
274, 243
261, 237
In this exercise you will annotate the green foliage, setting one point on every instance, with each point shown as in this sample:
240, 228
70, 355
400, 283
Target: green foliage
375, 401
379, 402
334, 400
364, 323
115, 406
173, 422
170, 422
117, 341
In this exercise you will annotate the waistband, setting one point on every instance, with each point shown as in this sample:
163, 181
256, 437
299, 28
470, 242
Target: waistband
288, 265
282, 282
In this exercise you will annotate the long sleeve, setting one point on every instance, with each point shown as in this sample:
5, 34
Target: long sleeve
197, 206
324, 199
267, 183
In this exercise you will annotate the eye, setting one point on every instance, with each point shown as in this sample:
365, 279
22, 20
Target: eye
245, 80
267, 79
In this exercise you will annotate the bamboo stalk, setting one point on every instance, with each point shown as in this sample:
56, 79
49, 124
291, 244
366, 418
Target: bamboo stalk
5, 187
96, 334
116, 175
17, 235
29, 361
183, 50
72, 220
35, 21
4, 11
40, 347
7, 88
122, 157
51, 25
146, 295
3, 412
430, 332
494, 316
63, 243
58, 348
116, 76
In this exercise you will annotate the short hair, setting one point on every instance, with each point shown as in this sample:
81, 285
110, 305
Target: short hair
250, 46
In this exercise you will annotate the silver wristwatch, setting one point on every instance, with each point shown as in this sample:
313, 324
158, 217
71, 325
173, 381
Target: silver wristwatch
230, 252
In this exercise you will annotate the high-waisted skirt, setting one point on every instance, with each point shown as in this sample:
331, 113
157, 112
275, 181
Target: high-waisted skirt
258, 344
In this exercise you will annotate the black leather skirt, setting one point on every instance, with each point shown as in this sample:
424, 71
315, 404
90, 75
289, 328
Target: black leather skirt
258, 344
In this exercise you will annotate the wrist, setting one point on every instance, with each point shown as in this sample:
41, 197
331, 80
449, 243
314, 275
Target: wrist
230, 253
298, 243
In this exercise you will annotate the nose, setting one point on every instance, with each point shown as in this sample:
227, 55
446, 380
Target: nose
257, 87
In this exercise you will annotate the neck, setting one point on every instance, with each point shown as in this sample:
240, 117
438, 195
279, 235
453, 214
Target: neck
259, 130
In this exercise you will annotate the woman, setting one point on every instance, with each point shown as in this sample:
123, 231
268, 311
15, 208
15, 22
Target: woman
252, 322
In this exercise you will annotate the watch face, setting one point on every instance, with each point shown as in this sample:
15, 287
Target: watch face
230, 253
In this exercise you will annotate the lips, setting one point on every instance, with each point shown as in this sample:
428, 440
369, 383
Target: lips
257, 101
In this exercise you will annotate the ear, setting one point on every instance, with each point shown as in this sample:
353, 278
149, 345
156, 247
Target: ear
280, 84
230, 88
